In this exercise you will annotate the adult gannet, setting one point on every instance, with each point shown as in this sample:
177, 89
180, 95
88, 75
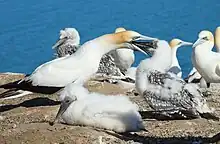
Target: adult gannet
175, 44
113, 112
194, 76
204, 59
113, 63
68, 42
165, 92
78, 67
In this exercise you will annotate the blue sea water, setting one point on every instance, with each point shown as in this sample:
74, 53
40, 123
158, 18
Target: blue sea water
28, 29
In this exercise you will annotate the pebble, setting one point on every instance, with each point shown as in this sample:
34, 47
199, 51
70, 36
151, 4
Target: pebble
2, 118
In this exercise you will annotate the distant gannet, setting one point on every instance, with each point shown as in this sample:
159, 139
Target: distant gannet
68, 42
217, 39
165, 92
50, 77
112, 112
175, 44
204, 59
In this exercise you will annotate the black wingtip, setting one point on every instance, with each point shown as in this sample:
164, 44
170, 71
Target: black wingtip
186, 79
27, 86
209, 116
9, 93
127, 79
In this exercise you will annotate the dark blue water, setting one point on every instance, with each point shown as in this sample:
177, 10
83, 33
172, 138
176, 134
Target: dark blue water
29, 28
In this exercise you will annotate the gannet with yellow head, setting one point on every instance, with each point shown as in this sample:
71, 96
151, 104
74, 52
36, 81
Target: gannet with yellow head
194, 76
206, 61
78, 67
174, 45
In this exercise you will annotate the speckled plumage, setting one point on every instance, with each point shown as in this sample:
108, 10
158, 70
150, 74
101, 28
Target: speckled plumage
65, 48
172, 99
107, 66
165, 92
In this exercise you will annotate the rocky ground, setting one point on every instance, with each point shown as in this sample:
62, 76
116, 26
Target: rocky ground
26, 120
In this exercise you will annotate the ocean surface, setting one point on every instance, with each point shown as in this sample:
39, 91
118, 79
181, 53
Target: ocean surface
28, 29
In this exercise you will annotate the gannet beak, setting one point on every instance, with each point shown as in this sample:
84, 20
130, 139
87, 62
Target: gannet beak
198, 42
141, 46
147, 47
147, 38
62, 109
138, 49
58, 43
184, 43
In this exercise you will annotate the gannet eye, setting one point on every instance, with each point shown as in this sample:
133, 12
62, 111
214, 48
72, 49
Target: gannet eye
180, 43
136, 37
205, 38
67, 101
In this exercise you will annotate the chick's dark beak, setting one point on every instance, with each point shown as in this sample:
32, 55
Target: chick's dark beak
147, 46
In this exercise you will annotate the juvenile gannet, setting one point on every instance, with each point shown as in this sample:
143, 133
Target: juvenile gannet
165, 92
78, 67
112, 112
68, 42
204, 59
175, 44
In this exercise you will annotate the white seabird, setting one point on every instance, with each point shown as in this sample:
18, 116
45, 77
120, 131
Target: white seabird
204, 59
194, 76
51, 76
112, 112
114, 63
175, 44
68, 42
165, 92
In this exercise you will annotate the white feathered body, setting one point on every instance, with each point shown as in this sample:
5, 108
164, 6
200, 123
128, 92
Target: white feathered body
175, 67
77, 67
113, 112
124, 58
206, 62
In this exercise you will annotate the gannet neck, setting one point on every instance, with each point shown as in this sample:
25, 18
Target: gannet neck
160, 61
162, 56
205, 47
175, 61
124, 58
